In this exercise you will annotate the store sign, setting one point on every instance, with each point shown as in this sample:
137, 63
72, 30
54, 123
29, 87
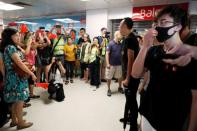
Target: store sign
149, 12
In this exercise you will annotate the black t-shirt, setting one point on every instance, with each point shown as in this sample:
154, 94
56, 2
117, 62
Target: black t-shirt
46, 51
80, 41
166, 102
130, 42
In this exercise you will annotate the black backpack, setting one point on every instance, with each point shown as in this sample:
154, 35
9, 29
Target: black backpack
60, 93
51, 88
56, 91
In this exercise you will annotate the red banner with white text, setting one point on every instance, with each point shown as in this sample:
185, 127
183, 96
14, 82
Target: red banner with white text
148, 12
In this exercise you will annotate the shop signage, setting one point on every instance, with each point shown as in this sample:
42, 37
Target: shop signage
149, 12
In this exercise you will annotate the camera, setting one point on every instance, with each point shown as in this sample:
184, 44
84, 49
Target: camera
107, 34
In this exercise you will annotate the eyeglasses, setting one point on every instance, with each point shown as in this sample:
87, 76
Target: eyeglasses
164, 23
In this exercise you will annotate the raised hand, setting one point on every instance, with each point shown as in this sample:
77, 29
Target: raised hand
149, 37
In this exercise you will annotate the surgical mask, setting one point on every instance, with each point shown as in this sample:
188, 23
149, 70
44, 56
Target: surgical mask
163, 33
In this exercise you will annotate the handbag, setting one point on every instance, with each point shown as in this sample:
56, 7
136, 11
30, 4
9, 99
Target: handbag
19, 71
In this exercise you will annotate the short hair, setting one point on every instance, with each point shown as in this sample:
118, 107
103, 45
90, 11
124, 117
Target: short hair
72, 30
116, 34
179, 15
128, 22
83, 29
103, 28
138, 36
96, 38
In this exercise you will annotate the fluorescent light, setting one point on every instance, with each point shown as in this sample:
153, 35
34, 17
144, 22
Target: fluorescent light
84, 0
26, 22
8, 7
66, 20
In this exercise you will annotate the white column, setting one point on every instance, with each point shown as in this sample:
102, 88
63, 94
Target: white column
95, 20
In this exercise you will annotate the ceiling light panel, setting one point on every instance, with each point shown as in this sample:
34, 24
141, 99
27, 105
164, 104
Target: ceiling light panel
9, 7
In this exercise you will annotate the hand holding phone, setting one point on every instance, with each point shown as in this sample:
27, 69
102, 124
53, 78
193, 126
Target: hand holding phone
58, 26
170, 56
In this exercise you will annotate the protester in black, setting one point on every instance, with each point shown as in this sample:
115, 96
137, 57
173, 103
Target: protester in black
130, 51
167, 100
187, 51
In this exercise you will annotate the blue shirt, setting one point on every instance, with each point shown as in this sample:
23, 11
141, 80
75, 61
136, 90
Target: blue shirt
114, 50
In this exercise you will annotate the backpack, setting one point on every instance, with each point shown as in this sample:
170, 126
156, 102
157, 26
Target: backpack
51, 87
60, 93
56, 91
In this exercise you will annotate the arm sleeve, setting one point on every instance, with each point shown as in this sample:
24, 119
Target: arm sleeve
64, 48
148, 58
11, 50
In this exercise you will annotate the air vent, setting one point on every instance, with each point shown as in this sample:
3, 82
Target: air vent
21, 4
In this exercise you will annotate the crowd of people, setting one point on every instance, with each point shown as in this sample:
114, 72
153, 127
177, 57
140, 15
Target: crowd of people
161, 65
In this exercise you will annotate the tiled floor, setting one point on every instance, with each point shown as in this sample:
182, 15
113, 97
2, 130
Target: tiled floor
82, 110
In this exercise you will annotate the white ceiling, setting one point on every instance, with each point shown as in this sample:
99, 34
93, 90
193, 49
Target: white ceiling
42, 8
156, 2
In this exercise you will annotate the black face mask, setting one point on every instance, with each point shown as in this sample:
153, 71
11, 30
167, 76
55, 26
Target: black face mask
163, 33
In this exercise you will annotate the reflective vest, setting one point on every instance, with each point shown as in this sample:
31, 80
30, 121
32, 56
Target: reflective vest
59, 49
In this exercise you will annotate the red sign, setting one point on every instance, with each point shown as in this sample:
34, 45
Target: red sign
149, 12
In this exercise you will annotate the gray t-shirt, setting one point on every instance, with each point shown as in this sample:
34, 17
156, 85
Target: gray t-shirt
114, 50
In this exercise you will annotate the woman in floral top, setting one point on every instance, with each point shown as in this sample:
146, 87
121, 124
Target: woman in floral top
16, 88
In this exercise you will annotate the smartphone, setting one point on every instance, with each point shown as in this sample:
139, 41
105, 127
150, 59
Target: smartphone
42, 28
58, 26
170, 56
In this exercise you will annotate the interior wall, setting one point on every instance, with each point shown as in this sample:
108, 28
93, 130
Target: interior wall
95, 20
120, 13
